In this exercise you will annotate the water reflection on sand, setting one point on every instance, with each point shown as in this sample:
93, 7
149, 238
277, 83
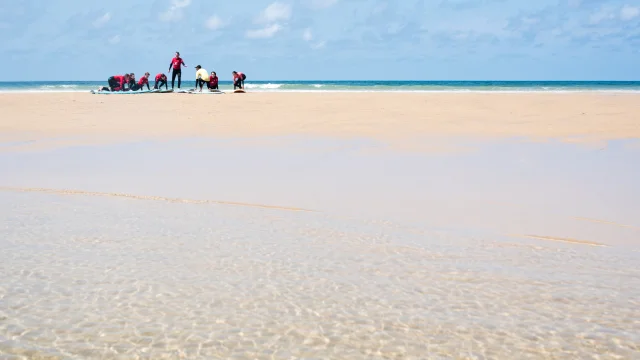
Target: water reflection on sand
92, 275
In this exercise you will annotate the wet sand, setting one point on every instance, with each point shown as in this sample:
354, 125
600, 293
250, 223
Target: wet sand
320, 234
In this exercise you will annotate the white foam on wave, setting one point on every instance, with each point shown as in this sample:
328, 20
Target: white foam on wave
64, 86
324, 88
263, 86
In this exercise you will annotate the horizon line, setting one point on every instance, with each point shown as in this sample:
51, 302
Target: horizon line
351, 80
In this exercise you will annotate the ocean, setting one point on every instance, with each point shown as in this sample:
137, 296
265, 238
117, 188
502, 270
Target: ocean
358, 86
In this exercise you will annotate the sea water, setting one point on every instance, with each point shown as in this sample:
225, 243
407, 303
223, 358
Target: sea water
323, 86
167, 250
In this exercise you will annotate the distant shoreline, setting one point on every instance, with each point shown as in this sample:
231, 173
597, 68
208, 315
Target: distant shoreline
360, 86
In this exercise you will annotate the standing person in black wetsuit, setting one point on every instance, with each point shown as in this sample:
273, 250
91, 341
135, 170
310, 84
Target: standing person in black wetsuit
176, 70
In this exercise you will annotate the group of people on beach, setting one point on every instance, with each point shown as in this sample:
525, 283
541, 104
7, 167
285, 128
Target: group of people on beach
127, 82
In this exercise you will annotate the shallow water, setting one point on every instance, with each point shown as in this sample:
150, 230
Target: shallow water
406, 255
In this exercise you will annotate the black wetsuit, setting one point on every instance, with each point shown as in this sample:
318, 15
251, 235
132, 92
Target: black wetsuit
174, 73
239, 82
160, 83
113, 83
200, 83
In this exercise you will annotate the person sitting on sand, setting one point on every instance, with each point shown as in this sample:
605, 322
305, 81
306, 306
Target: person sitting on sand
202, 77
238, 80
213, 81
116, 83
161, 79
144, 80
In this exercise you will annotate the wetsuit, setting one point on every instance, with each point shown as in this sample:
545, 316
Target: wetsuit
160, 81
238, 81
116, 83
132, 85
141, 83
213, 83
175, 66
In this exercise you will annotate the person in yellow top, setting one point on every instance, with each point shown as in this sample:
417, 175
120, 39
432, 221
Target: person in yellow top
202, 77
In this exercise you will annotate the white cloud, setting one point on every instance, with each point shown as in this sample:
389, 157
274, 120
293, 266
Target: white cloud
603, 15
264, 33
395, 27
174, 12
575, 3
629, 12
102, 20
275, 12
215, 23
114, 40
307, 35
321, 4
319, 45
527, 20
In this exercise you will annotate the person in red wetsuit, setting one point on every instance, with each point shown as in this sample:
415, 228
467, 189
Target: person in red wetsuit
213, 81
132, 86
161, 79
144, 80
238, 80
176, 69
116, 83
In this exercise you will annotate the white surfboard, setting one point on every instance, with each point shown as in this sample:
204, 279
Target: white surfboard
123, 92
206, 92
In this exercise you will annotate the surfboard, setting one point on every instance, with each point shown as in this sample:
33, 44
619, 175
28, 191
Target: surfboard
165, 91
239, 91
123, 92
206, 92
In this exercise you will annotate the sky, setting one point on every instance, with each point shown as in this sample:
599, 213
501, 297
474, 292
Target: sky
324, 39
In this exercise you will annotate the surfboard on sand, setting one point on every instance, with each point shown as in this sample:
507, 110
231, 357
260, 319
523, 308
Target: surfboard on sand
123, 92
207, 92
165, 91
204, 91
239, 91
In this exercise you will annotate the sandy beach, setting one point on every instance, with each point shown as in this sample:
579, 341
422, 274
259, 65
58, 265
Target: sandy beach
320, 225
395, 118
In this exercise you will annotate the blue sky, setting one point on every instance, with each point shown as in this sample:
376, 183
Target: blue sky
324, 39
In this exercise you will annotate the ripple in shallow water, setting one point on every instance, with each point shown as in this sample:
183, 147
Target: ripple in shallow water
116, 278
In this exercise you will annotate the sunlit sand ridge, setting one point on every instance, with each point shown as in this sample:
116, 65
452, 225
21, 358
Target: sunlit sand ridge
142, 197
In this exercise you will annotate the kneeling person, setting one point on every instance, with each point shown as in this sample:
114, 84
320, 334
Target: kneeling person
213, 81
141, 83
202, 77
116, 83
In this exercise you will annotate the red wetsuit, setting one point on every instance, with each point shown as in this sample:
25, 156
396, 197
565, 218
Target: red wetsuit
213, 82
176, 62
121, 80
